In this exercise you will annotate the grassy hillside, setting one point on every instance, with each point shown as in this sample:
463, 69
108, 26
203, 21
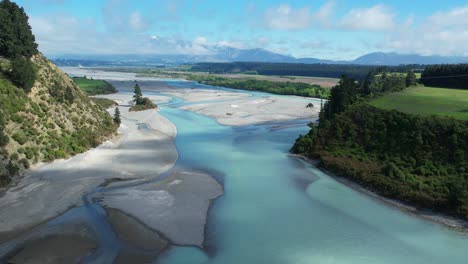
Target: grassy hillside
54, 120
94, 87
427, 101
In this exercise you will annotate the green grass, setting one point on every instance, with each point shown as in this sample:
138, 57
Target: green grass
94, 87
427, 101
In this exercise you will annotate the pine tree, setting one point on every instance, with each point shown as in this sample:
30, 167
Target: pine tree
117, 119
410, 78
138, 96
16, 38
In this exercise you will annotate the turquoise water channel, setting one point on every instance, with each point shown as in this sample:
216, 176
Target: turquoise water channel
277, 209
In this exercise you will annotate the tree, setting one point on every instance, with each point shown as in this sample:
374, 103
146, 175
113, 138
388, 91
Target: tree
4, 139
12, 168
410, 78
138, 96
16, 38
117, 119
22, 73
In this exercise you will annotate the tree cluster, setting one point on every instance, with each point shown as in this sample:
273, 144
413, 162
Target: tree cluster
141, 103
16, 38
299, 69
421, 160
283, 88
18, 44
446, 76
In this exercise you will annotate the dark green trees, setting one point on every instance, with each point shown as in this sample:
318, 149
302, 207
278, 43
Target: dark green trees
22, 73
341, 96
410, 78
141, 103
446, 75
117, 119
416, 159
138, 96
16, 38
17, 43
3, 138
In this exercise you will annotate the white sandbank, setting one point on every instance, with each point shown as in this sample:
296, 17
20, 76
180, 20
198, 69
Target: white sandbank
144, 149
248, 111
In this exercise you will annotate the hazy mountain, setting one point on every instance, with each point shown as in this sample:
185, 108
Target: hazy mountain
382, 58
228, 54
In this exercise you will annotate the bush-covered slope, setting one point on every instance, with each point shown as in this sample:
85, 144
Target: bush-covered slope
54, 120
43, 115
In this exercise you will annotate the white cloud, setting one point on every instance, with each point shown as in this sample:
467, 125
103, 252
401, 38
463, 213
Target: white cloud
68, 35
262, 42
136, 22
200, 41
378, 18
325, 13
454, 17
315, 44
230, 44
443, 33
284, 17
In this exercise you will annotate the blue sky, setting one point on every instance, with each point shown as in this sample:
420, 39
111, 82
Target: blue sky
327, 29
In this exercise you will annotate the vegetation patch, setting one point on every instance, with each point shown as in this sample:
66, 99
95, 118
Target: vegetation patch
104, 103
43, 114
283, 88
94, 87
420, 159
446, 75
141, 103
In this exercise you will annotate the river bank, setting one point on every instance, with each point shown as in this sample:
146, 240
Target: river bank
119, 174
439, 218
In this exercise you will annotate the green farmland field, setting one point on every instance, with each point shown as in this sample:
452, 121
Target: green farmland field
427, 101
94, 87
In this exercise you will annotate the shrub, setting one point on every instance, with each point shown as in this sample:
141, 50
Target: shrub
20, 138
22, 73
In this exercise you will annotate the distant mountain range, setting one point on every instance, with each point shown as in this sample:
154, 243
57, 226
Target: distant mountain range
226, 54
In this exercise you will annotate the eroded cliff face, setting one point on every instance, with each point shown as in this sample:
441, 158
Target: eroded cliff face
54, 120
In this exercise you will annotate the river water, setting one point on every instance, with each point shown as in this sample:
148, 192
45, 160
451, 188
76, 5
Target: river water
277, 209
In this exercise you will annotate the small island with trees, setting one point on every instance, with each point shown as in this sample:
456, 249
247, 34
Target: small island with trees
141, 103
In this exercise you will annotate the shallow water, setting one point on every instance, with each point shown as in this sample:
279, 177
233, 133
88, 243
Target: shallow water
277, 209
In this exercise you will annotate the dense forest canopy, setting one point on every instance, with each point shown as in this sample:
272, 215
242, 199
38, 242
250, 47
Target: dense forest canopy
417, 159
16, 38
17, 43
299, 69
446, 75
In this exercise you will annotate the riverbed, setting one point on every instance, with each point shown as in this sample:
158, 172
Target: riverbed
224, 153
